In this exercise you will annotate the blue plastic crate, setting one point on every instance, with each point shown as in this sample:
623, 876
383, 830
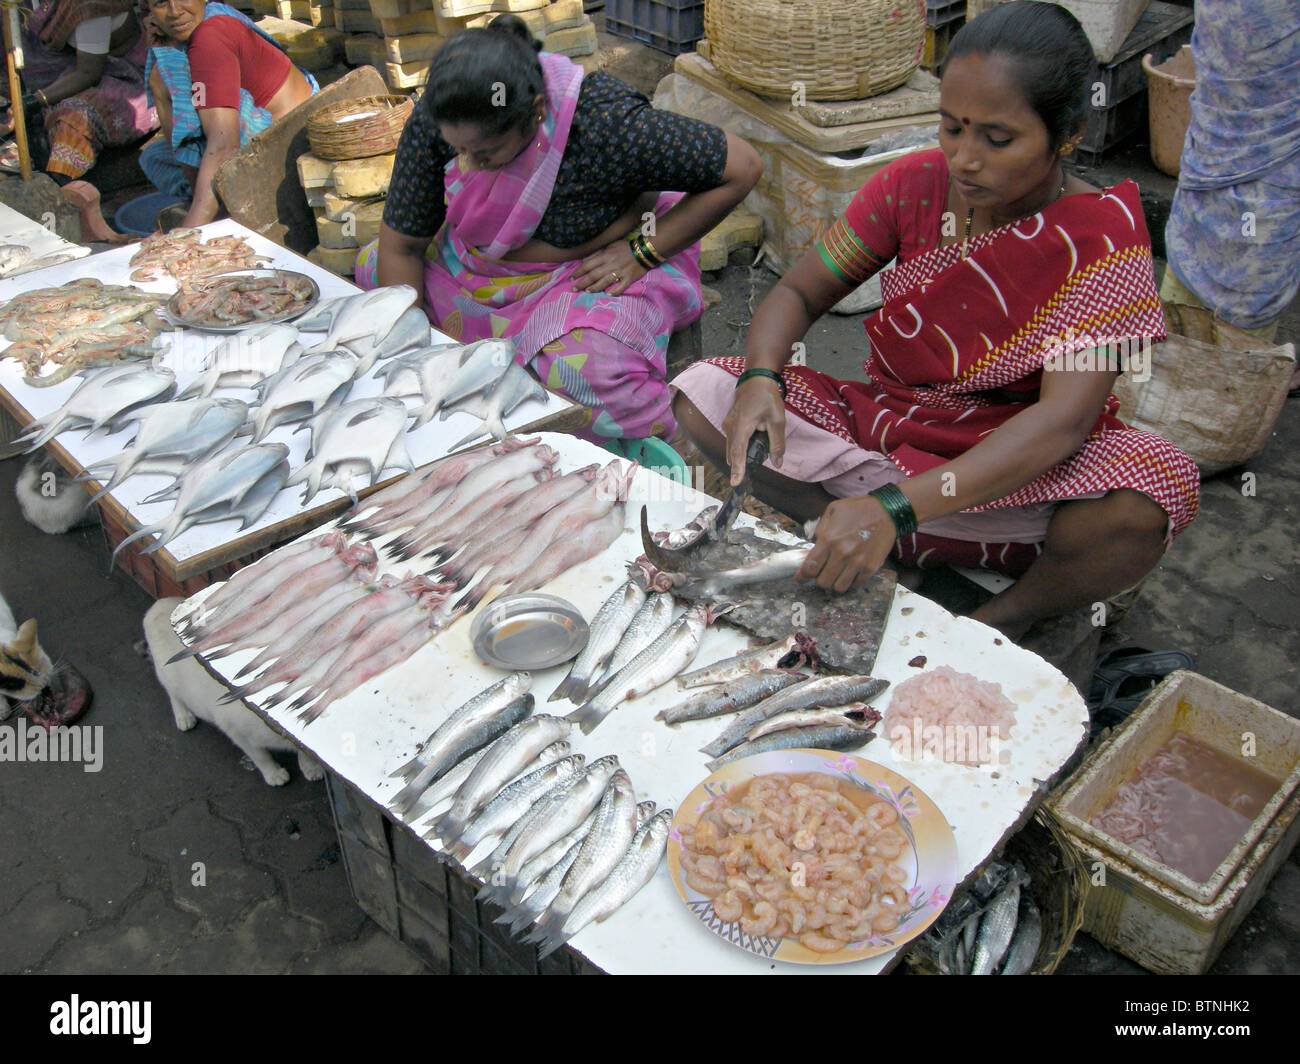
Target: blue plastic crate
672, 26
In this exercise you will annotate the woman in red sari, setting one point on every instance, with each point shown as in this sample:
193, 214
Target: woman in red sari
986, 418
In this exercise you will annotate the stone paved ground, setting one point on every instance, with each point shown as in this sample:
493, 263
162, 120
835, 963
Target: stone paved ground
99, 869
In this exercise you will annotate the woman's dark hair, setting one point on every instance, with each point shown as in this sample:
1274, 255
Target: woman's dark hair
1052, 60
488, 77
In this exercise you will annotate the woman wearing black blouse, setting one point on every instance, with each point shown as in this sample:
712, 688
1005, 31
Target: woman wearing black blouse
534, 203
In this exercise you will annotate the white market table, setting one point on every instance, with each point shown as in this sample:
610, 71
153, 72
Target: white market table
366, 735
206, 547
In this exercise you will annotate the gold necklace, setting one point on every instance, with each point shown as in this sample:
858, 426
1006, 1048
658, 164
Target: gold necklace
970, 213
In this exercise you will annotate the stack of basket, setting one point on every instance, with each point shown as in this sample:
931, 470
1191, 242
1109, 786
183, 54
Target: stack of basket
401, 36
345, 176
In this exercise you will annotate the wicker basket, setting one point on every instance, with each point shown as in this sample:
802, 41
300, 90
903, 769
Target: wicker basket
849, 50
358, 129
1058, 881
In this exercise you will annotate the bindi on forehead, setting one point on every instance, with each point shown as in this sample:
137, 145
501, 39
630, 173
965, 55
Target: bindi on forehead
965, 121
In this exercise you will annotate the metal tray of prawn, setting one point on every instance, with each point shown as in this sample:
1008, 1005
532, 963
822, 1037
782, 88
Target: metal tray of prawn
216, 327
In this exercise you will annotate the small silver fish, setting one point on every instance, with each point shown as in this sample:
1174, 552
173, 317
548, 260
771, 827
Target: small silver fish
1023, 950
605, 632
650, 622
12, 256
849, 716
730, 697
996, 930
819, 691
823, 737
776, 566
756, 660
633, 872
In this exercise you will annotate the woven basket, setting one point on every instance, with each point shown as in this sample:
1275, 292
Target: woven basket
848, 50
1058, 881
334, 134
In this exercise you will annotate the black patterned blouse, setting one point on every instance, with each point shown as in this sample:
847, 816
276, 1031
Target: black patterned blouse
619, 146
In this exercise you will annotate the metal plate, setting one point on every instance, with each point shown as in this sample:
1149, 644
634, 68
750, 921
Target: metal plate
287, 315
529, 631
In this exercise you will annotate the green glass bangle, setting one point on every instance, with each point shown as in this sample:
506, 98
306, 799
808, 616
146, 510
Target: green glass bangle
641, 254
769, 374
898, 507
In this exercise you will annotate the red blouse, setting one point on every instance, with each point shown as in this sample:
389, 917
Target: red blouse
226, 55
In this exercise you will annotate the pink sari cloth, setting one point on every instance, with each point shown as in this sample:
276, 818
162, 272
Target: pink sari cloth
618, 371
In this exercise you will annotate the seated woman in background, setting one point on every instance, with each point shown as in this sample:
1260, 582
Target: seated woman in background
217, 80
84, 76
529, 202
986, 417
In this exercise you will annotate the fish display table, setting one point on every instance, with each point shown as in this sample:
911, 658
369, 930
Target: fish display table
364, 736
205, 547
16, 228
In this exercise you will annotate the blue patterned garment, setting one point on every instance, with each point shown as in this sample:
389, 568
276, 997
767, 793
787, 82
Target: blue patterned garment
188, 141
1233, 236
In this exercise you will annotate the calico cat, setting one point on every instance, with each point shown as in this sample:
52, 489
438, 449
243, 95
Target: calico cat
25, 669
49, 498
195, 693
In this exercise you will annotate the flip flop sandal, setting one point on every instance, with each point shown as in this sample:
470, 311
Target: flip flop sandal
9, 158
1124, 676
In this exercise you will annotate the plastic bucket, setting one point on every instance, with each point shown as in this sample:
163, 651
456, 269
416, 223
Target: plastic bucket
1169, 92
653, 454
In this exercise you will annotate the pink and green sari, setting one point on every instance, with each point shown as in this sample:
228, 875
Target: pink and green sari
606, 353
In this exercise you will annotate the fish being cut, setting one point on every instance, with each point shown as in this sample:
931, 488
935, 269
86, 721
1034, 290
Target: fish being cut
793, 652
303, 390
237, 484
363, 437
605, 631
102, 397
636, 868
247, 358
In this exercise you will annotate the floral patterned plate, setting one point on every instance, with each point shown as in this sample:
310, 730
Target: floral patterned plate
931, 862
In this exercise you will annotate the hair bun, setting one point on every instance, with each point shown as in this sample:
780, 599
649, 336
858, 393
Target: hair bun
513, 26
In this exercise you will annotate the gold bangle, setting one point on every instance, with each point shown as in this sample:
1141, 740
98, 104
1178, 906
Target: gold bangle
650, 250
639, 253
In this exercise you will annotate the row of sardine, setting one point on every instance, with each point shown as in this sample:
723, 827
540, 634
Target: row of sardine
571, 844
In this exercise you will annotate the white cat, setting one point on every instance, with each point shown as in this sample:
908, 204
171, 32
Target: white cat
25, 669
194, 693
49, 498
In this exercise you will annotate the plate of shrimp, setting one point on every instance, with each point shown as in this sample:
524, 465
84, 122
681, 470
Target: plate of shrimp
812, 856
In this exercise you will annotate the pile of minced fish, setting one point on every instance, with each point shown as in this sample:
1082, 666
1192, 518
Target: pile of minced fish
994, 928
564, 842
325, 621
212, 446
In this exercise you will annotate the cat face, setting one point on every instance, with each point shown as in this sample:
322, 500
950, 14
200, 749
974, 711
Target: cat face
25, 669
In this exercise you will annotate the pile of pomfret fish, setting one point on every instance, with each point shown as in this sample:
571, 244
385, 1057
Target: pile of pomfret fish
569, 842
198, 439
327, 621
995, 928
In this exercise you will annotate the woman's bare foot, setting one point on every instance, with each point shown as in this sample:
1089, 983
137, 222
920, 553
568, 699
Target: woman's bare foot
85, 197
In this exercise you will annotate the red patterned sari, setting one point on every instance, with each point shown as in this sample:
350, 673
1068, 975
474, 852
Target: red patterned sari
960, 344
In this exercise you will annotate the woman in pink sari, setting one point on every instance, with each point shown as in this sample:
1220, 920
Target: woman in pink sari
529, 202
984, 433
